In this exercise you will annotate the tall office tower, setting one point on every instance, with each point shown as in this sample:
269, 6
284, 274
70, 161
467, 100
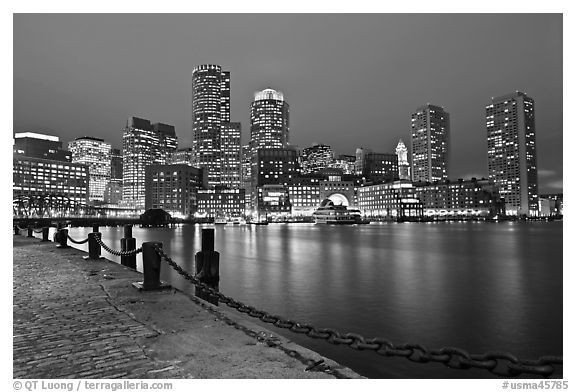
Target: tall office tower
143, 144
512, 152
403, 165
38, 145
182, 156
94, 153
116, 165
269, 123
231, 155
317, 157
430, 143
210, 108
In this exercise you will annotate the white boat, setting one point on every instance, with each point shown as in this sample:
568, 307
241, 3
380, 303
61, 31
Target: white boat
220, 221
328, 213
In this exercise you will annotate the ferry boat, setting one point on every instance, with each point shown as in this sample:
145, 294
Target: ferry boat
328, 213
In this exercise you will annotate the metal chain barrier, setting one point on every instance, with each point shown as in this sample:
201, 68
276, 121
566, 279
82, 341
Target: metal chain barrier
37, 231
21, 228
501, 364
117, 252
78, 242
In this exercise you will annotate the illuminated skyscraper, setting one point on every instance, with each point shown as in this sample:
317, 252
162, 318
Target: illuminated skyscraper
430, 144
511, 136
143, 144
38, 145
231, 154
317, 157
94, 153
269, 126
210, 108
403, 165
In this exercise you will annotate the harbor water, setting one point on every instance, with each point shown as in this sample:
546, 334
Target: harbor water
472, 285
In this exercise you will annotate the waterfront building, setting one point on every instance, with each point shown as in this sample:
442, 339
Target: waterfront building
342, 191
143, 144
96, 154
38, 145
316, 157
376, 167
510, 126
403, 164
36, 177
460, 199
182, 156
346, 163
269, 120
395, 200
273, 201
246, 175
552, 204
221, 202
231, 155
210, 108
304, 194
430, 143
274, 166
174, 188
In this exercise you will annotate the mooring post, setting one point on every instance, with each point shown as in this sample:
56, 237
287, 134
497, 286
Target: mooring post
62, 239
151, 267
16, 230
30, 232
94, 251
45, 233
208, 267
126, 244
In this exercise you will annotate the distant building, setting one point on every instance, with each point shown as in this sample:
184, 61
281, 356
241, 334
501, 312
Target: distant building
275, 166
231, 155
346, 163
339, 189
45, 177
317, 157
304, 194
210, 108
113, 190
274, 201
376, 167
174, 188
552, 204
38, 145
430, 143
510, 126
96, 154
269, 120
143, 144
459, 199
221, 202
113, 193
403, 164
392, 200
182, 156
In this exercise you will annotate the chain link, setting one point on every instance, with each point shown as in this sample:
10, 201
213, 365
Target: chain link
78, 242
116, 252
501, 364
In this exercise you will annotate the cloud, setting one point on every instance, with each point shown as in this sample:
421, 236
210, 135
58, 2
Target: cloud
555, 184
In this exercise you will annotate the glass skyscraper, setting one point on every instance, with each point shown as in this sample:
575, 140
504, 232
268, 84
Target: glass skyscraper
511, 137
94, 153
430, 144
269, 124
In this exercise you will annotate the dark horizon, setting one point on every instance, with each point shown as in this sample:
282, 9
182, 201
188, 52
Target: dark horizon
351, 80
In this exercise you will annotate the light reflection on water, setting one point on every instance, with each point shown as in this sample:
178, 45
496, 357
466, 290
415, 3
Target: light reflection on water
478, 286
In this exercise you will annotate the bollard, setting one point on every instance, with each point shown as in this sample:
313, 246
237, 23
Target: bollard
30, 232
45, 233
62, 239
208, 267
94, 251
16, 230
95, 228
128, 243
151, 264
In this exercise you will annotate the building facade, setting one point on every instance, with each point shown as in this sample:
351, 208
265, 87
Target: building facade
346, 163
182, 156
510, 125
221, 203
210, 108
38, 145
430, 143
269, 120
231, 155
403, 164
174, 188
304, 194
96, 154
376, 167
390, 201
316, 157
143, 144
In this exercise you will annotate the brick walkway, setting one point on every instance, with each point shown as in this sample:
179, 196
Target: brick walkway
82, 319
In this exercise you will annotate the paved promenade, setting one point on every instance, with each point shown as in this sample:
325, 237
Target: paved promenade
75, 318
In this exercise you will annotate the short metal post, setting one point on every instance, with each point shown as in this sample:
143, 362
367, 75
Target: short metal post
45, 232
16, 230
94, 250
30, 232
95, 228
151, 265
62, 239
208, 267
126, 244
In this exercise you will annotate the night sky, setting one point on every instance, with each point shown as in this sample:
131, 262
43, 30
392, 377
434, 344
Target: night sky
351, 79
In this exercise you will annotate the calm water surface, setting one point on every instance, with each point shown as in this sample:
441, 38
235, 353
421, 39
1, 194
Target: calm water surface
477, 286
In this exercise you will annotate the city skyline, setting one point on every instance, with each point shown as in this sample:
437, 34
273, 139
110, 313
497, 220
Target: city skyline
343, 110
